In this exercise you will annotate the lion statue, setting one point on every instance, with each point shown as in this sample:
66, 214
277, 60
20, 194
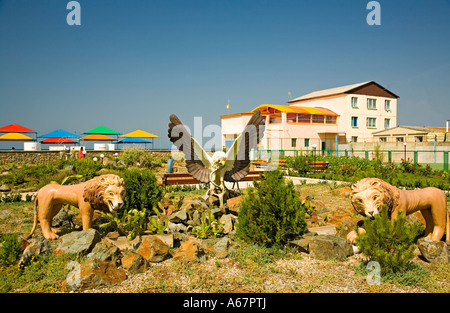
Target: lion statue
104, 193
369, 194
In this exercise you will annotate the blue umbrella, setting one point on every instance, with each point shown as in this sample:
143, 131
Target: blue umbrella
60, 134
133, 140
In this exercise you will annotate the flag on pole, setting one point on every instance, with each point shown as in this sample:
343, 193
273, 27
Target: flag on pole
228, 105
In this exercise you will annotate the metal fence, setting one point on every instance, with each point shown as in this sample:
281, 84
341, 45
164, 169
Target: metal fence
438, 160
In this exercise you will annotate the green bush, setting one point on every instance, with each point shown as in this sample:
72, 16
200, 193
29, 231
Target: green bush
11, 250
271, 213
143, 190
390, 243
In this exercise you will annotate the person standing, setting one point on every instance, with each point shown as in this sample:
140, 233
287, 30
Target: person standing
81, 153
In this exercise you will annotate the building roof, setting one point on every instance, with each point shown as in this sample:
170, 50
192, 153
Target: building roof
340, 90
295, 109
401, 130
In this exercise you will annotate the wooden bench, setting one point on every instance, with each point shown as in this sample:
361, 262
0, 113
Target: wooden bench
186, 178
263, 162
318, 165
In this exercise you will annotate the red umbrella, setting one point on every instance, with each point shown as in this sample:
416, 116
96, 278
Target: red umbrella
16, 128
58, 140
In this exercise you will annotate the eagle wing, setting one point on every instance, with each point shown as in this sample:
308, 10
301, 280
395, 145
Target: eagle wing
198, 162
237, 164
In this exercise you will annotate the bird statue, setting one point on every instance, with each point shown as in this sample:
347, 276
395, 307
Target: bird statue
231, 166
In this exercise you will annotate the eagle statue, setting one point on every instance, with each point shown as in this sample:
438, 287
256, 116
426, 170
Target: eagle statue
231, 166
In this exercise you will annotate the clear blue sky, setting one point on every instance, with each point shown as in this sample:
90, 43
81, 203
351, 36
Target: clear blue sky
133, 63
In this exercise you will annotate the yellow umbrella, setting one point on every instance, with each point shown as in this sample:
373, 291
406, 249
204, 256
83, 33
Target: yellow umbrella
15, 137
139, 134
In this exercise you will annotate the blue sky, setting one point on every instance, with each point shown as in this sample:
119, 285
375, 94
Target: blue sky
133, 63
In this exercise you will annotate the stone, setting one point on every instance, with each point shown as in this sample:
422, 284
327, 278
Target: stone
323, 230
153, 249
36, 247
343, 192
177, 227
166, 238
178, 217
123, 243
62, 219
303, 243
227, 222
93, 274
216, 212
105, 251
433, 251
78, 242
4, 188
234, 204
221, 248
326, 247
189, 251
134, 263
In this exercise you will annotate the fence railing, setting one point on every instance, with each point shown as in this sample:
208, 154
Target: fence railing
438, 160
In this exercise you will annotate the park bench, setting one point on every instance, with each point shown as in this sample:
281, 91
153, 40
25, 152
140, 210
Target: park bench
186, 178
318, 165
263, 162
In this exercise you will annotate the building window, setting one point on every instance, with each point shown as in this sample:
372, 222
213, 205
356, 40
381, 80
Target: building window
354, 102
318, 119
306, 142
372, 104
276, 118
354, 121
330, 119
294, 142
387, 105
291, 118
304, 118
387, 123
354, 138
371, 122
383, 139
419, 138
400, 139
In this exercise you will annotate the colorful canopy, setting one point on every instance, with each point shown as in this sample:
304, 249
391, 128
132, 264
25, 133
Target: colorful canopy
98, 137
60, 134
294, 109
58, 140
102, 130
139, 134
15, 137
16, 128
133, 140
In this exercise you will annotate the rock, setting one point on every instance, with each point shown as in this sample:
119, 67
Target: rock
134, 263
433, 251
221, 247
4, 188
153, 249
62, 219
189, 251
93, 274
343, 192
228, 223
36, 247
166, 238
123, 243
69, 168
178, 217
105, 251
234, 204
177, 227
78, 242
303, 243
323, 230
216, 212
325, 247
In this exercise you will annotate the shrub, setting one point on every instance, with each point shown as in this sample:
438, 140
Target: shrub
271, 213
11, 250
143, 190
390, 243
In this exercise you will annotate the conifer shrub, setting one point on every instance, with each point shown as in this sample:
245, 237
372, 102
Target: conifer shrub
271, 213
390, 243
143, 190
